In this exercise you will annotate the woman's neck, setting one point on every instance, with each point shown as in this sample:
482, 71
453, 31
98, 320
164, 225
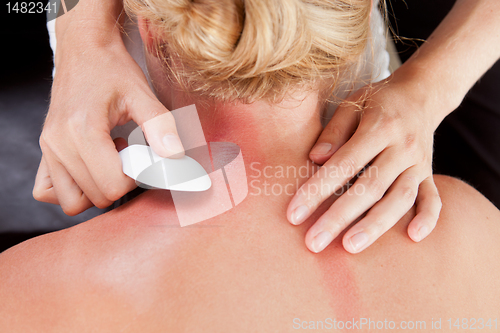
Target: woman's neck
279, 134
271, 134
275, 140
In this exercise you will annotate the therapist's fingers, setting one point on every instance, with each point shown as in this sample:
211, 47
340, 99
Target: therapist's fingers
428, 208
368, 189
335, 173
337, 132
43, 190
385, 214
90, 160
103, 166
71, 198
158, 125
79, 171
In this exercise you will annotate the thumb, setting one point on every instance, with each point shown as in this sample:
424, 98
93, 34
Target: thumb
336, 133
339, 129
158, 125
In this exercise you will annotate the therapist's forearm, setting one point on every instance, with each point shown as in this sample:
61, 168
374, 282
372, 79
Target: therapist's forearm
90, 24
461, 49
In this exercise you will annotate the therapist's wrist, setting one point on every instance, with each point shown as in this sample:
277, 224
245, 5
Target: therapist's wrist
91, 23
83, 32
78, 37
436, 97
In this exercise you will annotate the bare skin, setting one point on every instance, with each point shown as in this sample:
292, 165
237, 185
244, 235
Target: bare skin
247, 270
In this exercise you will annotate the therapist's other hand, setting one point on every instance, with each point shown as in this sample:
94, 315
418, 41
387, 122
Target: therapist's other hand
95, 90
390, 128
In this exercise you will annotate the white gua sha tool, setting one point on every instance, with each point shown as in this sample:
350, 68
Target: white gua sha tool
208, 181
151, 171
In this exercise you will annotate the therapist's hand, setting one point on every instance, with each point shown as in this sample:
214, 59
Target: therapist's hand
96, 87
394, 131
390, 127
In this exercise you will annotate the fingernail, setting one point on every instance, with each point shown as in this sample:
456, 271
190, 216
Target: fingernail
423, 232
321, 149
358, 241
172, 144
321, 241
299, 214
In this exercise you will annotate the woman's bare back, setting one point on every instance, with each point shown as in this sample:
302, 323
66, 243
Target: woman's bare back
135, 269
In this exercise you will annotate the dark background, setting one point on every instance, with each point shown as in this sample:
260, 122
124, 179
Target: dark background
25, 81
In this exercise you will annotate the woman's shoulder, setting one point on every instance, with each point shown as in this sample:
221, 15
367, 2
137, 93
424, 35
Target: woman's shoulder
463, 202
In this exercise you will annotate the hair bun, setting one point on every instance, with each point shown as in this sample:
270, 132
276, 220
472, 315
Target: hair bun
206, 31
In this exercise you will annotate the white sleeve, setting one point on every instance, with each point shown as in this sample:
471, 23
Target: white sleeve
51, 29
380, 55
373, 64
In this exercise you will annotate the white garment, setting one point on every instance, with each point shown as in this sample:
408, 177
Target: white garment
51, 29
373, 65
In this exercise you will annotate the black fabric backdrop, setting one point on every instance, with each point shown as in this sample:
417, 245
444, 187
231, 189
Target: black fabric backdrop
25, 81
467, 144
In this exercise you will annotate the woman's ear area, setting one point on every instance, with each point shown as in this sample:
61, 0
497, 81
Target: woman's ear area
147, 36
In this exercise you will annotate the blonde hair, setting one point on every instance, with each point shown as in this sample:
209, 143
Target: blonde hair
251, 50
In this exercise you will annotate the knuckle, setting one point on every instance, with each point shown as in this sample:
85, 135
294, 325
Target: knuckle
70, 211
42, 143
71, 207
166, 118
385, 123
112, 193
342, 221
74, 203
103, 203
336, 132
436, 198
338, 223
439, 201
376, 188
49, 127
38, 194
422, 159
408, 193
410, 142
76, 123
46, 139
51, 140
378, 226
312, 194
347, 166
